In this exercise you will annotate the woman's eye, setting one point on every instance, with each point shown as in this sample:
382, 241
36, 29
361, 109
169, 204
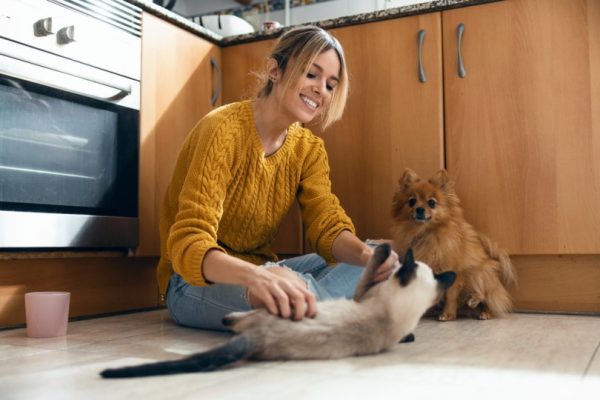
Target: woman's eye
310, 75
330, 87
412, 201
432, 203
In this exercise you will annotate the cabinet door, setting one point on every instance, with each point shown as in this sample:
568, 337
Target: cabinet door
241, 63
392, 120
178, 85
523, 126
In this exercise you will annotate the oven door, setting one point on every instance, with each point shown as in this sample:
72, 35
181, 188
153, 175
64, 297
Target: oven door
69, 137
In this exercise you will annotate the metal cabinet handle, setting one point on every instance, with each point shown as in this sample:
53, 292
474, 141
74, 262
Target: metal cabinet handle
462, 72
422, 77
217, 87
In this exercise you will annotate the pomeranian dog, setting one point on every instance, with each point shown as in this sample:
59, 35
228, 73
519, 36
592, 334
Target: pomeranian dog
429, 219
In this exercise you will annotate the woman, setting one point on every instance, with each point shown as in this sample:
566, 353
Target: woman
239, 171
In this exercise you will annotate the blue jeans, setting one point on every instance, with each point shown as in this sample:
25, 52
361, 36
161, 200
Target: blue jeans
205, 306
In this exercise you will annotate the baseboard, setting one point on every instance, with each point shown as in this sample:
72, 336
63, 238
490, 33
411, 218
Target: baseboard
98, 285
563, 284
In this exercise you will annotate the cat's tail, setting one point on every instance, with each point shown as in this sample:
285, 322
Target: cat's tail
239, 348
508, 275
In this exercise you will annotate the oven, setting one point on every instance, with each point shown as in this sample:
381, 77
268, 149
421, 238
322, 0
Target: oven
69, 123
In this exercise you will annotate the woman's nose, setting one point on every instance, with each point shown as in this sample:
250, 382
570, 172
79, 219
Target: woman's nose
319, 86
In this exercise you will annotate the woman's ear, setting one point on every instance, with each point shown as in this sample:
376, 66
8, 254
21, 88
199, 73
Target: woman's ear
273, 70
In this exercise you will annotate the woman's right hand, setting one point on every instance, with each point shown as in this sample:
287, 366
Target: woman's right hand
282, 292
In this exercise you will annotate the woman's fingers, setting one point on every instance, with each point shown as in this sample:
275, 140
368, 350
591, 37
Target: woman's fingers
282, 292
300, 299
311, 303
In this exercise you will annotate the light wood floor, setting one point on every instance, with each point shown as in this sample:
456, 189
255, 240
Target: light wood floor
519, 357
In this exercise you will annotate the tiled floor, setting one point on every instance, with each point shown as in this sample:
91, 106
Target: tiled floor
519, 357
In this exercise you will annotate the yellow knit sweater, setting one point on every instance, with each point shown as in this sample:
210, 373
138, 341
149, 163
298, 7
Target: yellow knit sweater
225, 194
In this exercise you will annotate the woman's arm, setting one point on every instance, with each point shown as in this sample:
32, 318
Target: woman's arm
349, 249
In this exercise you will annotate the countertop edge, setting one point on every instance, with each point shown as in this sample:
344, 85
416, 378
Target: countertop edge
392, 13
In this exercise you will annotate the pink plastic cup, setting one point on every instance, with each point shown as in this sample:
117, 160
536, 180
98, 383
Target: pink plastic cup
47, 313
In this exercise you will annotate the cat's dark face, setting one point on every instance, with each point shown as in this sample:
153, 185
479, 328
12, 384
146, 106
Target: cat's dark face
418, 280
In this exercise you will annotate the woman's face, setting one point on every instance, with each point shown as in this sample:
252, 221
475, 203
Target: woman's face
312, 94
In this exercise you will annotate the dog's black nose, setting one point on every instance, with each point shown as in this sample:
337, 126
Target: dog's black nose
420, 211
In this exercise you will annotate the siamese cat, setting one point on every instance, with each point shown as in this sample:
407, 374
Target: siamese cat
379, 316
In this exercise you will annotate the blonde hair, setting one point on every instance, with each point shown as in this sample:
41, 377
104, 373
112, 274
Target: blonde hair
295, 52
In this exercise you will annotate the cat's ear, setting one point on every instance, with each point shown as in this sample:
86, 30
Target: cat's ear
408, 177
445, 279
408, 270
442, 180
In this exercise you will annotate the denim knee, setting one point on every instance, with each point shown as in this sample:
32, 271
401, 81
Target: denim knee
203, 306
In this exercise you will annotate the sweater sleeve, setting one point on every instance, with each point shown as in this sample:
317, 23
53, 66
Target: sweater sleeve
206, 172
323, 217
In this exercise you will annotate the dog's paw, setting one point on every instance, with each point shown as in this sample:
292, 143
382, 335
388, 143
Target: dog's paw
485, 315
447, 317
473, 302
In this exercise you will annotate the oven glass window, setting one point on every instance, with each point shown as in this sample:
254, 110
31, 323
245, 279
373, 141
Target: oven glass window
64, 152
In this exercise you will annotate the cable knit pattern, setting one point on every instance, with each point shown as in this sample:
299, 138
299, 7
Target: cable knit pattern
225, 194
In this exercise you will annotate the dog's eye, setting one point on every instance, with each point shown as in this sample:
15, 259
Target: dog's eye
412, 201
431, 203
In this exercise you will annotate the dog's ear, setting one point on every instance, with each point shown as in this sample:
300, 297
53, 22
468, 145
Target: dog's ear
407, 271
442, 180
408, 177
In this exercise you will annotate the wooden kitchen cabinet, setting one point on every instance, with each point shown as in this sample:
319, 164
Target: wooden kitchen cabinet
519, 133
241, 63
522, 128
180, 84
522, 141
392, 120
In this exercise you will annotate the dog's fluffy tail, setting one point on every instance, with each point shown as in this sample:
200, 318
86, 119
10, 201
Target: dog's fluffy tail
238, 348
488, 288
497, 298
508, 275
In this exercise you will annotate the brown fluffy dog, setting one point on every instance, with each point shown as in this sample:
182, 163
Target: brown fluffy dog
428, 218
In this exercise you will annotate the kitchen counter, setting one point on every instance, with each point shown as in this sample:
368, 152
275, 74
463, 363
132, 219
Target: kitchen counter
381, 15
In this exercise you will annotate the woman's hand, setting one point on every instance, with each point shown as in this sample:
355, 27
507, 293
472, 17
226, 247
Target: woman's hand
282, 292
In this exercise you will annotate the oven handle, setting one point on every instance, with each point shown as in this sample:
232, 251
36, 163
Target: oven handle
37, 72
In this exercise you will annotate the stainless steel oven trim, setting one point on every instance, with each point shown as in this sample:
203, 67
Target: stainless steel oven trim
22, 229
40, 67
96, 43
118, 13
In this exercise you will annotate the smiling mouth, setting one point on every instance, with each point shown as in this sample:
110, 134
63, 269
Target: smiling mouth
421, 218
313, 105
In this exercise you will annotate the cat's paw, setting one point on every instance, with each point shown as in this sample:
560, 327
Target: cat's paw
231, 318
408, 338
